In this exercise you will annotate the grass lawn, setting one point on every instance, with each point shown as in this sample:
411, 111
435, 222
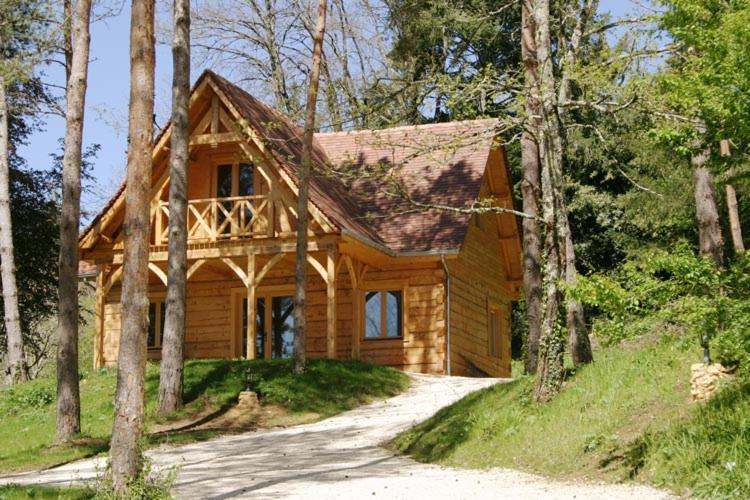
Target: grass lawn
211, 387
44, 493
627, 416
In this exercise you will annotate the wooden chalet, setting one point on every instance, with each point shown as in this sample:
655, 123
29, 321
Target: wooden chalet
393, 280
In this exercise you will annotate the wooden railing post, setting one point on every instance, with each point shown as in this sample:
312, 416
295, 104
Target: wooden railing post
214, 219
270, 223
157, 223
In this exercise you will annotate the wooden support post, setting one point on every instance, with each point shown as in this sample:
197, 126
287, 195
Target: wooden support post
99, 318
250, 347
356, 307
331, 304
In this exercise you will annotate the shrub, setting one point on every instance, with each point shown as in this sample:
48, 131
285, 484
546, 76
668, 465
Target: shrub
674, 289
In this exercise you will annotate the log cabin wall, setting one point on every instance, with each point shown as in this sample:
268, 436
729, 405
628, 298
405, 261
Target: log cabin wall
211, 307
422, 348
478, 286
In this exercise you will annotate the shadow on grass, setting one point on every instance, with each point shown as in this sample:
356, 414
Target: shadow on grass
706, 450
437, 437
81, 448
14, 492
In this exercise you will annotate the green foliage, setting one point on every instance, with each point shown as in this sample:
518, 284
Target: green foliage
149, 485
709, 79
677, 291
458, 56
27, 435
24, 37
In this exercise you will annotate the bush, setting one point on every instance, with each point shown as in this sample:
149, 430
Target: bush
674, 290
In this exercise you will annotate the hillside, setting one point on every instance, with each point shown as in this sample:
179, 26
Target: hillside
627, 417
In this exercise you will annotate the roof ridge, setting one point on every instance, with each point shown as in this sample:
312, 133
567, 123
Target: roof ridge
404, 127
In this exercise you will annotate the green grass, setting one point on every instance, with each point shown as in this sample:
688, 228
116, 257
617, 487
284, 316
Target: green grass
327, 387
44, 493
626, 417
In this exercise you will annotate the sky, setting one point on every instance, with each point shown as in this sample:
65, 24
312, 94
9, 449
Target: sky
107, 99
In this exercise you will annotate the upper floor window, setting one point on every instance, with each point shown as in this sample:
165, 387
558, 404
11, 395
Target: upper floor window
234, 180
384, 314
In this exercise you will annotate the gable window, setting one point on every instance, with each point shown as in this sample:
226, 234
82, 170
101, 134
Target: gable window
384, 314
234, 179
494, 333
156, 317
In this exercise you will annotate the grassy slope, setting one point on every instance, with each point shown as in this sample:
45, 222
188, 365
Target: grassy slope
626, 416
326, 388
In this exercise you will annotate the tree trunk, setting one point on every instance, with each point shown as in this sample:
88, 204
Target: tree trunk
14, 336
578, 333
532, 280
710, 239
734, 219
68, 398
302, 209
170, 373
126, 460
734, 215
550, 370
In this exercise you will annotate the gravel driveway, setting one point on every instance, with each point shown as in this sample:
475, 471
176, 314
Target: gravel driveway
339, 458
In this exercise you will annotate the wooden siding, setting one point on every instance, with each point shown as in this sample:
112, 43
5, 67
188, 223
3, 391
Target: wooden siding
478, 278
210, 327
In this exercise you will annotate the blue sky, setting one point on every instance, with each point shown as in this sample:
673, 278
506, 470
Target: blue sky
107, 99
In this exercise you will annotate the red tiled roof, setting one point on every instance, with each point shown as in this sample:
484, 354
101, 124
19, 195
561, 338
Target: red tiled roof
436, 164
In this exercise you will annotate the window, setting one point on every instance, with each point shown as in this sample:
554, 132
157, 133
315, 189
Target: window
234, 180
384, 314
156, 317
494, 333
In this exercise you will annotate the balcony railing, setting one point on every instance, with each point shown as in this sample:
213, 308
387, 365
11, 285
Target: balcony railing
219, 219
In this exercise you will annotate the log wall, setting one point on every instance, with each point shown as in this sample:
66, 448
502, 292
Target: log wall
479, 280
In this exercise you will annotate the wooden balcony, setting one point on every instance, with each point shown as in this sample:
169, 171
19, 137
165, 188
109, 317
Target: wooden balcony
219, 219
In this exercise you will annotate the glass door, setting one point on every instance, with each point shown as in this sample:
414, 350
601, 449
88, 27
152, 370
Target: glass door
282, 327
275, 338
260, 326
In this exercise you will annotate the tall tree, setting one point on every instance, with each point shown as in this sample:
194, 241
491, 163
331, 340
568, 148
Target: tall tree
131, 369
16, 358
21, 42
170, 373
68, 397
710, 237
735, 226
305, 168
702, 87
530, 189
550, 370
580, 345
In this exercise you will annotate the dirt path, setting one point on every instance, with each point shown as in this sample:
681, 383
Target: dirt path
339, 458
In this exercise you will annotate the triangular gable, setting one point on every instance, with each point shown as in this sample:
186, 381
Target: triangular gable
230, 120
